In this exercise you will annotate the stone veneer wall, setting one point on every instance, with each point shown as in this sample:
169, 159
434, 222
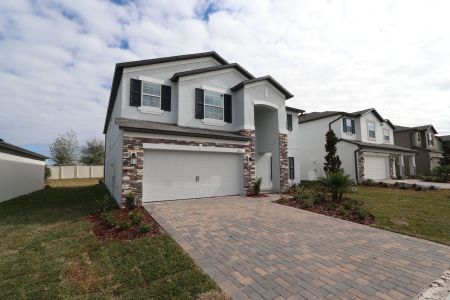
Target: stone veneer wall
132, 174
284, 163
360, 167
392, 166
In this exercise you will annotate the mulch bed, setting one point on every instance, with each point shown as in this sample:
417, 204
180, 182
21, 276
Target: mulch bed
105, 232
323, 210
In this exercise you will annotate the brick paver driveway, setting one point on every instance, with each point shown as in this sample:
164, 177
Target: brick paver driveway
257, 249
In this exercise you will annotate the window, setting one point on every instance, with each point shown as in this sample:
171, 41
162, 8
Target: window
387, 135
371, 129
348, 125
430, 139
289, 122
419, 138
151, 94
291, 168
213, 105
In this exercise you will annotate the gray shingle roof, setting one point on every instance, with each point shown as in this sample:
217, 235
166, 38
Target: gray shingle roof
268, 78
319, 115
7, 147
379, 146
415, 128
134, 125
445, 138
236, 66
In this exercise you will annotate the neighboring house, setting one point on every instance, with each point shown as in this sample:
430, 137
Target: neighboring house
193, 126
366, 145
445, 148
423, 140
294, 140
21, 171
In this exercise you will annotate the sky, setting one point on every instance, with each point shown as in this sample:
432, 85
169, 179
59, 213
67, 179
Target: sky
57, 57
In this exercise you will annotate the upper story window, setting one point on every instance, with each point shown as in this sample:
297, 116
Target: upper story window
151, 94
386, 135
371, 129
214, 105
348, 125
289, 122
430, 139
419, 138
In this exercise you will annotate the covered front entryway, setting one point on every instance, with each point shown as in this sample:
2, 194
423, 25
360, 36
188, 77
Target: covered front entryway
267, 149
376, 167
170, 175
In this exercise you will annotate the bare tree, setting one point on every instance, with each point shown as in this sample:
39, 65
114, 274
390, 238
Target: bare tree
93, 153
63, 150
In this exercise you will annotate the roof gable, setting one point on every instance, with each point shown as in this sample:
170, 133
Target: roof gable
235, 66
268, 78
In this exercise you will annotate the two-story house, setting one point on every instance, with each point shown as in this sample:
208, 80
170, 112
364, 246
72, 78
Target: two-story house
423, 140
366, 145
193, 126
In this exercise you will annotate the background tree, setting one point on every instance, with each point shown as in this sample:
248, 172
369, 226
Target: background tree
332, 161
93, 153
63, 150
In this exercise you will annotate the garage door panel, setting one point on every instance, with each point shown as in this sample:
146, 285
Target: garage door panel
376, 167
172, 175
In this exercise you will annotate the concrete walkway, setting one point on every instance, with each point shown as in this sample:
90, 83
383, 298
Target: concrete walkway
257, 249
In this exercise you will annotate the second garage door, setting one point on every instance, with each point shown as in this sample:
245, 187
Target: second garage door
376, 167
170, 175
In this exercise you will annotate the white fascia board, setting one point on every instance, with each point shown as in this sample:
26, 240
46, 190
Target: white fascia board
169, 64
199, 148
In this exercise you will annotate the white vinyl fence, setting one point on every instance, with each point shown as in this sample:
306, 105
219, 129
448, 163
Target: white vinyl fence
68, 172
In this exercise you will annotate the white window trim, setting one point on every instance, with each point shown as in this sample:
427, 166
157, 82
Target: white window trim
419, 138
374, 131
430, 139
347, 127
150, 109
214, 89
209, 121
388, 135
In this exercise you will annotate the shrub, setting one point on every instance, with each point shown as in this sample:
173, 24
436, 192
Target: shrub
105, 203
307, 202
283, 200
47, 173
418, 188
368, 182
342, 211
361, 213
330, 206
349, 204
136, 217
145, 228
257, 186
338, 183
442, 172
302, 194
129, 201
124, 225
109, 219
319, 197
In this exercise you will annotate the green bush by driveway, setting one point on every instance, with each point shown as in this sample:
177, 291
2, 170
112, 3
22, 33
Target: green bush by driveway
424, 214
48, 251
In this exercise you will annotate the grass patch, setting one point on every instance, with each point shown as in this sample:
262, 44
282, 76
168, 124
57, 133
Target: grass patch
76, 182
48, 251
421, 214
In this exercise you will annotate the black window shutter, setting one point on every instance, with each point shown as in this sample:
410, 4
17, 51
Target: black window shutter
135, 92
291, 168
166, 95
353, 126
289, 122
199, 104
344, 124
227, 108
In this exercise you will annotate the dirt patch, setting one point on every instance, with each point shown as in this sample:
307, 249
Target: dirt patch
105, 231
336, 212
78, 273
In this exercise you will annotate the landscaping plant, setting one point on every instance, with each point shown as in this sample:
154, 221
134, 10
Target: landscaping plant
332, 161
338, 183
129, 201
442, 172
47, 173
257, 186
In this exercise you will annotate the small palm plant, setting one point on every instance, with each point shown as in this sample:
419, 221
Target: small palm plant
442, 172
338, 183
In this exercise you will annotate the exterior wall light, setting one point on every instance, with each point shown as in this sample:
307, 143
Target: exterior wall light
133, 159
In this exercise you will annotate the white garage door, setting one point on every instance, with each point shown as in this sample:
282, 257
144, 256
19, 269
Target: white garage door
376, 167
170, 175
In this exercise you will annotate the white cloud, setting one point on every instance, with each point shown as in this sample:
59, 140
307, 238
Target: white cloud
57, 57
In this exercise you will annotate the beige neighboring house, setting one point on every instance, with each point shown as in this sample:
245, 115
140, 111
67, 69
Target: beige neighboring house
21, 171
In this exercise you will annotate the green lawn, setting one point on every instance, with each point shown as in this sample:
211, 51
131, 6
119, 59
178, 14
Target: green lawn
47, 251
416, 213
